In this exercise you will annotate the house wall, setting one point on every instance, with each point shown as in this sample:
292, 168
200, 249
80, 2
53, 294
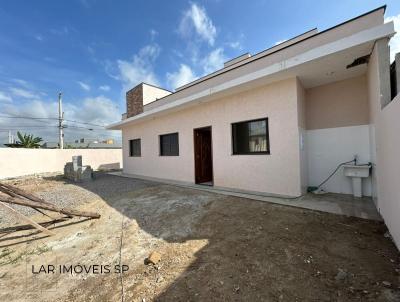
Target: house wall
338, 104
19, 162
388, 161
385, 143
275, 173
301, 116
374, 108
337, 122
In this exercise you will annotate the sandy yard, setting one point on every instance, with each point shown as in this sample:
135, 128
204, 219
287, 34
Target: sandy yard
213, 248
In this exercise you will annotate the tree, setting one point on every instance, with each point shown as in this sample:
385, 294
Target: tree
26, 141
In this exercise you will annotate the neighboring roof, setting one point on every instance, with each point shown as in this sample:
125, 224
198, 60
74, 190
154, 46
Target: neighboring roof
50, 145
366, 27
87, 145
94, 146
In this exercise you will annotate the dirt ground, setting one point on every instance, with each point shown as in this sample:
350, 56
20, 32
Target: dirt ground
213, 248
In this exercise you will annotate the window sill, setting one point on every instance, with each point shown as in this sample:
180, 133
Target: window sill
252, 153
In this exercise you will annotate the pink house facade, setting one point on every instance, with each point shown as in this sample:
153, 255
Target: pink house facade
279, 121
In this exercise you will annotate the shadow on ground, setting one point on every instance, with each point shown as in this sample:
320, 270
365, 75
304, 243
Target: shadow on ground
250, 250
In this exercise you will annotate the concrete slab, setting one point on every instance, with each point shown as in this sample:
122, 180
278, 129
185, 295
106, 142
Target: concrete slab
341, 204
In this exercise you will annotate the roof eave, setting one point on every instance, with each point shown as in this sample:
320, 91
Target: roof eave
372, 34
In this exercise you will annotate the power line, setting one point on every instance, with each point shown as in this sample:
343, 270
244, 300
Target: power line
27, 127
60, 125
28, 117
49, 118
32, 120
86, 123
16, 127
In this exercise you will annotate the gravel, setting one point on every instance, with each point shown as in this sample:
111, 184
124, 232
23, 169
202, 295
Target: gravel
66, 194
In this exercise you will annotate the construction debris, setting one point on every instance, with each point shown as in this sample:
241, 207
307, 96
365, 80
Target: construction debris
153, 258
49, 207
76, 171
387, 283
23, 198
29, 227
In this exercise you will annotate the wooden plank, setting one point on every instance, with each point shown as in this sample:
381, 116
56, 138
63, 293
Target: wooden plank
27, 220
49, 207
11, 190
24, 227
12, 194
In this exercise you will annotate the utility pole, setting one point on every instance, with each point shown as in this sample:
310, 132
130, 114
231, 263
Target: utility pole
60, 121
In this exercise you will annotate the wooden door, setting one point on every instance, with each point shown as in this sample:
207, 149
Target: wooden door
203, 155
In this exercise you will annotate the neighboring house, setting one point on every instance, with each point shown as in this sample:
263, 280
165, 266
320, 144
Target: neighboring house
275, 122
50, 145
85, 143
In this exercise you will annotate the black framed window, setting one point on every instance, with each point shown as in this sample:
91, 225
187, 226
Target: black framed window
169, 144
250, 137
135, 147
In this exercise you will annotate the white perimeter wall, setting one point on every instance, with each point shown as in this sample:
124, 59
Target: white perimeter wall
385, 139
388, 161
326, 148
18, 162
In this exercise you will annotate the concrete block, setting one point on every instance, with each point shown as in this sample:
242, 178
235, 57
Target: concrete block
76, 172
77, 161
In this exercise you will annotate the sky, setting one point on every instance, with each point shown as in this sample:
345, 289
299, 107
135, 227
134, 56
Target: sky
93, 51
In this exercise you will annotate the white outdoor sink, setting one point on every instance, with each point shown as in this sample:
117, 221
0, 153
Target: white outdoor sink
357, 173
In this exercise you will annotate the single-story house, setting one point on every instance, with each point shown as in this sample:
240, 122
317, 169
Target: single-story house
275, 122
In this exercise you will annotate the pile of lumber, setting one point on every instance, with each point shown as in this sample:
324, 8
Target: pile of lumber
14, 195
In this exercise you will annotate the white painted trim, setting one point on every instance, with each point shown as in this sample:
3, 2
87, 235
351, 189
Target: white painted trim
375, 33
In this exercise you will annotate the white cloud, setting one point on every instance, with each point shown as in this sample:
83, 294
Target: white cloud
22, 82
181, 77
19, 92
235, 45
153, 34
214, 60
35, 108
39, 37
140, 68
394, 41
196, 17
84, 86
210, 63
5, 97
104, 87
98, 110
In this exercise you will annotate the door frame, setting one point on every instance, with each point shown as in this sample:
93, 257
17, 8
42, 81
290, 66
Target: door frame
194, 153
